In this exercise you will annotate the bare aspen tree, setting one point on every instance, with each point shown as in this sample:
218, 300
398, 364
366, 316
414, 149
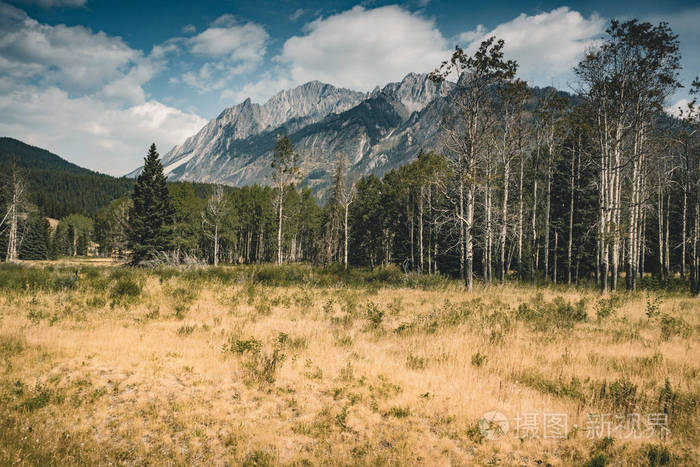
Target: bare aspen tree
626, 80
285, 172
212, 218
575, 151
551, 113
334, 206
523, 132
348, 196
690, 118
488, 235
14, 207
426, 170
513, 97
466, 131
535, 165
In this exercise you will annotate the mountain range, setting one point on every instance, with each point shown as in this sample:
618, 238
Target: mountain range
377, 131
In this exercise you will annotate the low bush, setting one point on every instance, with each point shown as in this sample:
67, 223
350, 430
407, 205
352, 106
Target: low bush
478, 359
671, 327
558, 314
375, 315
240, 346
187, 329
125, 287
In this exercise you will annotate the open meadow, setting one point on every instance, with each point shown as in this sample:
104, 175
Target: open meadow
265, 365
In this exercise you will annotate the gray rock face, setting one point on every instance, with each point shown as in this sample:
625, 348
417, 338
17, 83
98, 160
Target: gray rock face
377, 131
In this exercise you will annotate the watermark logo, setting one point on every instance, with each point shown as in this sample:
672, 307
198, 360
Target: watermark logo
493, 425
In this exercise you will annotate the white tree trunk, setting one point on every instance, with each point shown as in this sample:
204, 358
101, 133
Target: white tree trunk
345, 224
420, 227
280, 201
504, 220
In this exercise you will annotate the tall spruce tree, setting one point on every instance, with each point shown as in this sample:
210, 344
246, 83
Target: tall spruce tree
152, 214
35, 244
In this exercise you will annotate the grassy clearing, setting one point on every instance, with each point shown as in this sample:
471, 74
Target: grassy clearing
260, 365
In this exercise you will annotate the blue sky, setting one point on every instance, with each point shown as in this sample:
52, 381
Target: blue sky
97, 81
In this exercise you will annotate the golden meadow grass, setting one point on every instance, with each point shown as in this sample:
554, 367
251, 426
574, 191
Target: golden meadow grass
102, 364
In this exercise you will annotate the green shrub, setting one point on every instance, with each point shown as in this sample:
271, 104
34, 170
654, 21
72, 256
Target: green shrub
262, 366
415, 363
607, 307
238, 346
39, 398
96, 301
259, 458
478, 359
375, 316
620, 395
598, 460
658, 455
572, 389
18, 277
399, 412
187, 329
182, 294
653, 306
558, 314
125, 287
292, 343
11, 344
671, 327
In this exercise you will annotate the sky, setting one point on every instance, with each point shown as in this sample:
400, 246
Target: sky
97, 81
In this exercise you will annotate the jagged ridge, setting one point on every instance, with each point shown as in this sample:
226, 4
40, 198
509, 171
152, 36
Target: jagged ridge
377, 131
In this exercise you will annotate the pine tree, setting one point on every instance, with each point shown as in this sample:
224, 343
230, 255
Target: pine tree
35, 244
152, 214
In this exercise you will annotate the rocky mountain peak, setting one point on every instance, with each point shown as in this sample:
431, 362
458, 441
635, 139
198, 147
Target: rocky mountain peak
415, 91
378, 130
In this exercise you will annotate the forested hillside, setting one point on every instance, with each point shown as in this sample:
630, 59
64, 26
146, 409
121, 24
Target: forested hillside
57, 187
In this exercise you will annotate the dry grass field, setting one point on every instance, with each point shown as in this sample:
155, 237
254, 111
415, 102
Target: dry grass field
228, 366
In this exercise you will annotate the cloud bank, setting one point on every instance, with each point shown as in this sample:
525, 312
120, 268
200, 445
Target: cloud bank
80, 94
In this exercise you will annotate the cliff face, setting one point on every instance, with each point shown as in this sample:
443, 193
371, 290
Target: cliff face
377, 131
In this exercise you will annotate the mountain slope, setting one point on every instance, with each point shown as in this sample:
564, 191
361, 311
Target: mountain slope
377, 131
28, 156
57, 187
296, 107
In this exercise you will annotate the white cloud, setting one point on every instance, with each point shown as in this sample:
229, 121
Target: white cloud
361, 48
546, 46
676, 108
468, 36
80, 94
297, 14
75, 57
57, 3
230, 48
189, 29
91, 132
238, 42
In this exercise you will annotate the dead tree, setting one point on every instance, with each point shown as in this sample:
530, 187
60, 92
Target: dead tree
212, 218
14, 207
